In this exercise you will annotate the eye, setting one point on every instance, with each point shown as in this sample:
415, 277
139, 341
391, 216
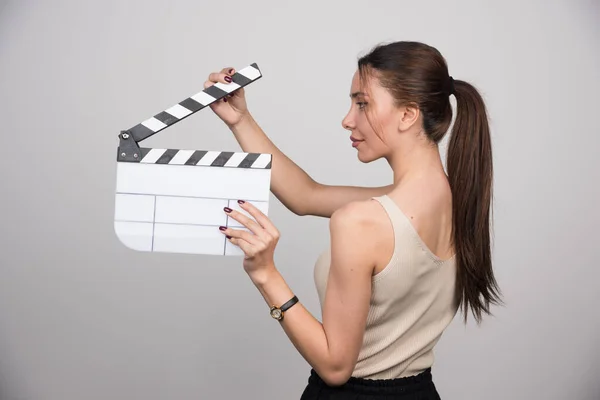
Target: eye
361, 105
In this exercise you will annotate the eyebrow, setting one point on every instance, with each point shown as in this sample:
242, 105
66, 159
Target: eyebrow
356, 94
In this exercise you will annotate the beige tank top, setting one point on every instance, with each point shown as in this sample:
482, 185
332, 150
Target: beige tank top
412, 302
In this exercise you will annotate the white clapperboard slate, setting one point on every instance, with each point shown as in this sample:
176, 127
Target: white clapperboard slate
172, 201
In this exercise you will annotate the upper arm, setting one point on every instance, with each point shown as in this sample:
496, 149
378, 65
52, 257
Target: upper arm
348, 293
324, 200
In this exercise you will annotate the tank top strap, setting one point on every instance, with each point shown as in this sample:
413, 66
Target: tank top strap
391, 208
400, 224
395, 213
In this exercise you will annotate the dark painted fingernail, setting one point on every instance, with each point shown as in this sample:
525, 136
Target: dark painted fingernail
228, 79
228, 237
222, 228
225, 99
241, 201
227, 209
231, 70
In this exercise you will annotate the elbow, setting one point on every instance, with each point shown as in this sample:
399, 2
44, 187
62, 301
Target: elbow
299, 211
337, 377
304, 205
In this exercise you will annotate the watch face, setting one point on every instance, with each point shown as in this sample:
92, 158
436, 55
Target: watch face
276, 313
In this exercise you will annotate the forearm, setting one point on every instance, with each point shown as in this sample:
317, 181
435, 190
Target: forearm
305, 331
289, 183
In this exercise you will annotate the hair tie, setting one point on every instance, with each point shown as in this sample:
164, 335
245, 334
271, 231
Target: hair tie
451, 86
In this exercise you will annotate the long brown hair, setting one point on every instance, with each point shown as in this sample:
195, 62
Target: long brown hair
417, 74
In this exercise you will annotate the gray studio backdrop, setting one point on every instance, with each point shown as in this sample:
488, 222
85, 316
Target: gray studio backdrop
84, 318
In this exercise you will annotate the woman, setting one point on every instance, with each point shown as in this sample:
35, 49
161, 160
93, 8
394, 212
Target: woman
403, 257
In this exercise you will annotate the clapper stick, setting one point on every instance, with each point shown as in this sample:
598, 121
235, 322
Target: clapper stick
172, 200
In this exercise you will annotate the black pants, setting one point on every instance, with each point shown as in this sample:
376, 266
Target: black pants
419, 387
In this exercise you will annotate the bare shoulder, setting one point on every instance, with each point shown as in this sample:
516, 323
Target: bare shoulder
364, 231
365, 215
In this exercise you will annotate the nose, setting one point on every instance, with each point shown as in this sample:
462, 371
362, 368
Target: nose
348, 121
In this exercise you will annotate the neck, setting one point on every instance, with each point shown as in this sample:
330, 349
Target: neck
415, 159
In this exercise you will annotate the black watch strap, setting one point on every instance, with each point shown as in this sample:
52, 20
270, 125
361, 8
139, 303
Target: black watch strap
289, 303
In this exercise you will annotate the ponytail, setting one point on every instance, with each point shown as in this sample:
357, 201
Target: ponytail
470, 173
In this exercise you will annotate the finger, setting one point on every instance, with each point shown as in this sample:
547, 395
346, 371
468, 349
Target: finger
210, 83
220, 77
260, 217
228, 71
242, 244
253, 226
239, 234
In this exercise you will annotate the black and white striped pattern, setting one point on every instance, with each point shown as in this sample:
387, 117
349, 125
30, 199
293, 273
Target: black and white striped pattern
195, 103
206, 158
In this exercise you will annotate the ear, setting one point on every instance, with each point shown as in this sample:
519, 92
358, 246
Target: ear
409, 115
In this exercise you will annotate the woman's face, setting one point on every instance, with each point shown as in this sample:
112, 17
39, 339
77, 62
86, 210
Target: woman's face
382, 112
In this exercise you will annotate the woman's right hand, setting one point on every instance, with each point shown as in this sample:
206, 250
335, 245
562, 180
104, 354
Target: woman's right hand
232, 108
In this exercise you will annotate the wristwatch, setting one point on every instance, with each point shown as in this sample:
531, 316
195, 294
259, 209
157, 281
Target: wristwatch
277, 312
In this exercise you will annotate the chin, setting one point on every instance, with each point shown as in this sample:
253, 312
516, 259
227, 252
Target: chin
365, 158
366, 154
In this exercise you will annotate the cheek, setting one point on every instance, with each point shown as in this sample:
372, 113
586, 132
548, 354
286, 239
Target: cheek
382, 126
364, 127
373, 122
368, 134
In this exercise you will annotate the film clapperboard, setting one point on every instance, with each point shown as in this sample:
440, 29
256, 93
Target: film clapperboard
172, 200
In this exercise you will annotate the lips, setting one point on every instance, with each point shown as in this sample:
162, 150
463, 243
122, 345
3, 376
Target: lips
355, 142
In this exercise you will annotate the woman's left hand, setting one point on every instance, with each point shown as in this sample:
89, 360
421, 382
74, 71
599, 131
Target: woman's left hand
259, 244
